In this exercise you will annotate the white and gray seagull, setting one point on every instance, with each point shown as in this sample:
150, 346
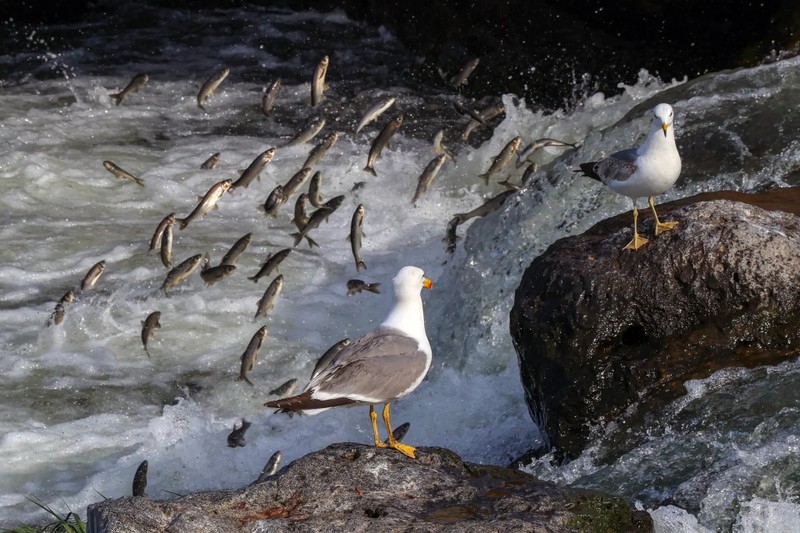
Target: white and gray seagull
380, 367
648, 170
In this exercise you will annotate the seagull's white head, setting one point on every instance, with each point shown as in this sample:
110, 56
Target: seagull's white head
408, 282
662, 113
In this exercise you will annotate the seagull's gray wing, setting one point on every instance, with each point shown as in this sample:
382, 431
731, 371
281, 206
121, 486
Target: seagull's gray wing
379, 366
619, 166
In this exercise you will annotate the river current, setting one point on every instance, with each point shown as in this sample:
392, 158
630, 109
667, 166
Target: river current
82, 404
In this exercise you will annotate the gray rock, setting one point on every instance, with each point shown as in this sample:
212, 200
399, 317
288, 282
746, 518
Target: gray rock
351, 487
608, 335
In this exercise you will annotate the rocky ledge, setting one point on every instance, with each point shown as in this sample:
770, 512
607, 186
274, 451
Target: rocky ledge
609, 335
351, 487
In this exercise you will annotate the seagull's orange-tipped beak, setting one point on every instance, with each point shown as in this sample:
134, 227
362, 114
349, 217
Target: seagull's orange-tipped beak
664, 127
427, 283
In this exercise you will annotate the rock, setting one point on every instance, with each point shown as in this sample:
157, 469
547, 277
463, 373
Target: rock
351, 487
608, 335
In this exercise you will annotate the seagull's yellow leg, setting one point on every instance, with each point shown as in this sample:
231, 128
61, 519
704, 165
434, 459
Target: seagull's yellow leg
637, 241
373, 416
661, 227
405, 449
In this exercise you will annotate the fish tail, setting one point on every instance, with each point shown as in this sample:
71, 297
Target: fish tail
147, 352
183, 222
297, 237
311, 242
360, 264
139, 181
117, 97
244, 378
371, 170
254, 278
485, 178
373, 287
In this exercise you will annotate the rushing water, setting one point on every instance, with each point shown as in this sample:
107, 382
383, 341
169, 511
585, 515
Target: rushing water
83, 405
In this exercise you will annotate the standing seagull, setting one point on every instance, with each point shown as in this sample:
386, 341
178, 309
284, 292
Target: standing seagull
648, 170
380, 367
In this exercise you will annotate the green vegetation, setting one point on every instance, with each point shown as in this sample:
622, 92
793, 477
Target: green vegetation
69, 523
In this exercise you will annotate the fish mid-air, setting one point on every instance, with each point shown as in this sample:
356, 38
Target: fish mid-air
648, 170
380, 367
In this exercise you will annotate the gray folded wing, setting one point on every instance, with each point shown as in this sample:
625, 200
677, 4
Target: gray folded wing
379, 366
618, 166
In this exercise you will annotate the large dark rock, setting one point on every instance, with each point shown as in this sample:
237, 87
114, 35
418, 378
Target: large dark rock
351, 487
608, 335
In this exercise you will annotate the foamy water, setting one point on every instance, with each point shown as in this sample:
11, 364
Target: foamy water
83, 405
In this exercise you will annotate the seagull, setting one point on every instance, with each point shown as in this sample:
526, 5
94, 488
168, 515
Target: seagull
380, 367
648, 170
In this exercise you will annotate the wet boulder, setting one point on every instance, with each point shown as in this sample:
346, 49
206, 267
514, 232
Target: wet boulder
609, 335
351, 487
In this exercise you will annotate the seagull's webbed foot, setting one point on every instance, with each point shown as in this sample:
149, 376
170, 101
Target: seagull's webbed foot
373, 416
661, 227
391, 442
637, 241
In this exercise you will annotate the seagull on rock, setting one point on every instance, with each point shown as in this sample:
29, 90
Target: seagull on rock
380, 367
648, 170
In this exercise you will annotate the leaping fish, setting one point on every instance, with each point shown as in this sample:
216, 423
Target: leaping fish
121, 174
381, 142
318, 84
374, 112
138, 81
210, 86
207, 203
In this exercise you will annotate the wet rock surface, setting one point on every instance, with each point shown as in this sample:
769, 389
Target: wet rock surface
608, 335
351, 487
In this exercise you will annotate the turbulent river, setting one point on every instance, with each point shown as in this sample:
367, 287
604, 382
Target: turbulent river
82, 404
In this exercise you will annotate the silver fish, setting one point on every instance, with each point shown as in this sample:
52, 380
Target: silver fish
318, 82
155, 241
486, 114
313, 126
210, 86
355, 286
286, 389
461, 77
438, 147
381, 142
236, 250
374, 112
91, 277
489, 207
451, 237
182, 271
316, 218
61, 307
138, 81
236, 437
140, 480
217, 273
300, 217
250, 354
533, 167
275, 199
121, 174
271, 264
466, 111
270, 95
211, 162
207, 203
314, 197
523, 155
166, 247
295, 182
400, 431
267, 301
149, 325
326, 358
270, 468
501, 160
254, 170
319, 151
427, 176
356, 233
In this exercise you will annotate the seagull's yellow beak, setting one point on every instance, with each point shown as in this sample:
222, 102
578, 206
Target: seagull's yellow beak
427, 283
664, 127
